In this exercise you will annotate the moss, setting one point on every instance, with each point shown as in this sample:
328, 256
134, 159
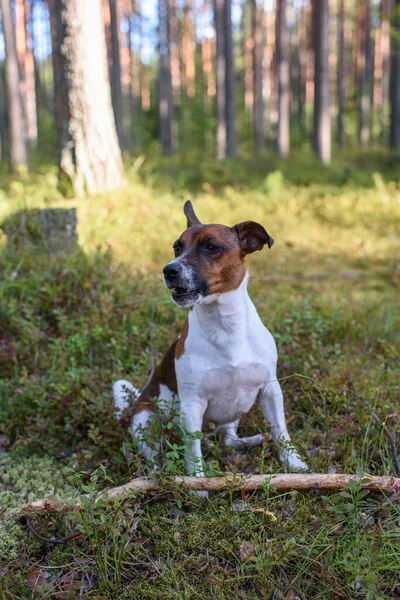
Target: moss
23, 480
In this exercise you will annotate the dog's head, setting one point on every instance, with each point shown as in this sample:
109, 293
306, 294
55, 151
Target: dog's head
209, 259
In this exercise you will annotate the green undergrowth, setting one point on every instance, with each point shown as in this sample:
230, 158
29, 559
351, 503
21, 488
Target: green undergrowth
69, 326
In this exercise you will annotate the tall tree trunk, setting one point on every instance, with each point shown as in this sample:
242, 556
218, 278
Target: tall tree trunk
3, 117
175, 72
208, 74
145, 99
365, 74
189, 49
269, 91
341, 84
116, 88
220, 77
23, 18
247, 43
258, 99
89, 154
165, 84
385, 76
282, 65
322, 92
18, 149
395, 81
303, 71
230, 94
134, 87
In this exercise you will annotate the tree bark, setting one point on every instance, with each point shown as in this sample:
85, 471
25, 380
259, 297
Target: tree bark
89, 154
26, 67
165, 83
395, 82
220, 77
178, 127
322, 92
385, 67
230, 93
18, 157
341, 85
258, 99
365, 75
189, 49
115, 74
282, 67
280, 481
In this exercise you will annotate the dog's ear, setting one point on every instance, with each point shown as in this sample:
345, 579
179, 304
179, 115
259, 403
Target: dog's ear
189, 212
252, 236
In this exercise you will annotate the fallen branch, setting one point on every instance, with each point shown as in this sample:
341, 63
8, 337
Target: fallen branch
280, 481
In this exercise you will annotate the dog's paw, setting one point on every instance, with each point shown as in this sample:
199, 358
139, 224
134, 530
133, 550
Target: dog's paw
292, 462
298, 467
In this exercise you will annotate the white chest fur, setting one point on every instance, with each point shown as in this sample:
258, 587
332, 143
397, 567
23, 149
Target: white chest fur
229, 357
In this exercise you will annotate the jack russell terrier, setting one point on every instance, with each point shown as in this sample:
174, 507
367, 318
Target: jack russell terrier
225, 359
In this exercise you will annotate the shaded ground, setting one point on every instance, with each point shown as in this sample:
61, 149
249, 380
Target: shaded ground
328, 291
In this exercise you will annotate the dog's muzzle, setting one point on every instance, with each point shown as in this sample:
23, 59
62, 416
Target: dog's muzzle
181, 280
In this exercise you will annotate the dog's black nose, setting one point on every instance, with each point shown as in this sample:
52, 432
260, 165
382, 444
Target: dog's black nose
172, 270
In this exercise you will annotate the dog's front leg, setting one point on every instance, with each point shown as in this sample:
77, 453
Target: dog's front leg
192, 411
271, 402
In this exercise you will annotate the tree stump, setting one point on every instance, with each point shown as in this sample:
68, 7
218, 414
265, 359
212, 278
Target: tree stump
50, 230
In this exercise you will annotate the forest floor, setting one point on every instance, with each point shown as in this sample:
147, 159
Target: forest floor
329, 293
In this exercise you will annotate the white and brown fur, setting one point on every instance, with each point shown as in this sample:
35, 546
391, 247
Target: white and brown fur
225, 359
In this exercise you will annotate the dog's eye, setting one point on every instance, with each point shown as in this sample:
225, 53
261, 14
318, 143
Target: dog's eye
177, 249
209, 247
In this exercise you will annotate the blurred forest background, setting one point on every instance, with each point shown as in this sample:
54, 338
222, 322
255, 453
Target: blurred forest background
224, 77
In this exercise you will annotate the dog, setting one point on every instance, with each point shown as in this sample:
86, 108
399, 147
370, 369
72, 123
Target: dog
225, 358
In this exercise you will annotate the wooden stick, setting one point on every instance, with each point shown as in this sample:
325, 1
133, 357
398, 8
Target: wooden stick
280, 481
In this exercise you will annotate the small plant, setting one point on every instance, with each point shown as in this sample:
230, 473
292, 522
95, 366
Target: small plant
346, 504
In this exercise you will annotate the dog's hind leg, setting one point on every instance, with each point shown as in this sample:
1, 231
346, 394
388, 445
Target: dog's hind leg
125, 394
232, 439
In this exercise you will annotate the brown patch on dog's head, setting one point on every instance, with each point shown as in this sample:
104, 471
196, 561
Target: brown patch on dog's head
209, 259
213, 253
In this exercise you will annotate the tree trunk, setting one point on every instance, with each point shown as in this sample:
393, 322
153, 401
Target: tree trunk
303, 71
220, 77
189, 49
3, 116
165, 84
89, 154
341, 85
322, 92
247, 43
365, 74
395, 81
116, 88
258, 99
18, 150
269, 91
282, 67
23, 18
230, 93
385, 67
175, 73
134, 88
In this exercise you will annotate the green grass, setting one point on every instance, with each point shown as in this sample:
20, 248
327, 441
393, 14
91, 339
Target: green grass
328, 291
